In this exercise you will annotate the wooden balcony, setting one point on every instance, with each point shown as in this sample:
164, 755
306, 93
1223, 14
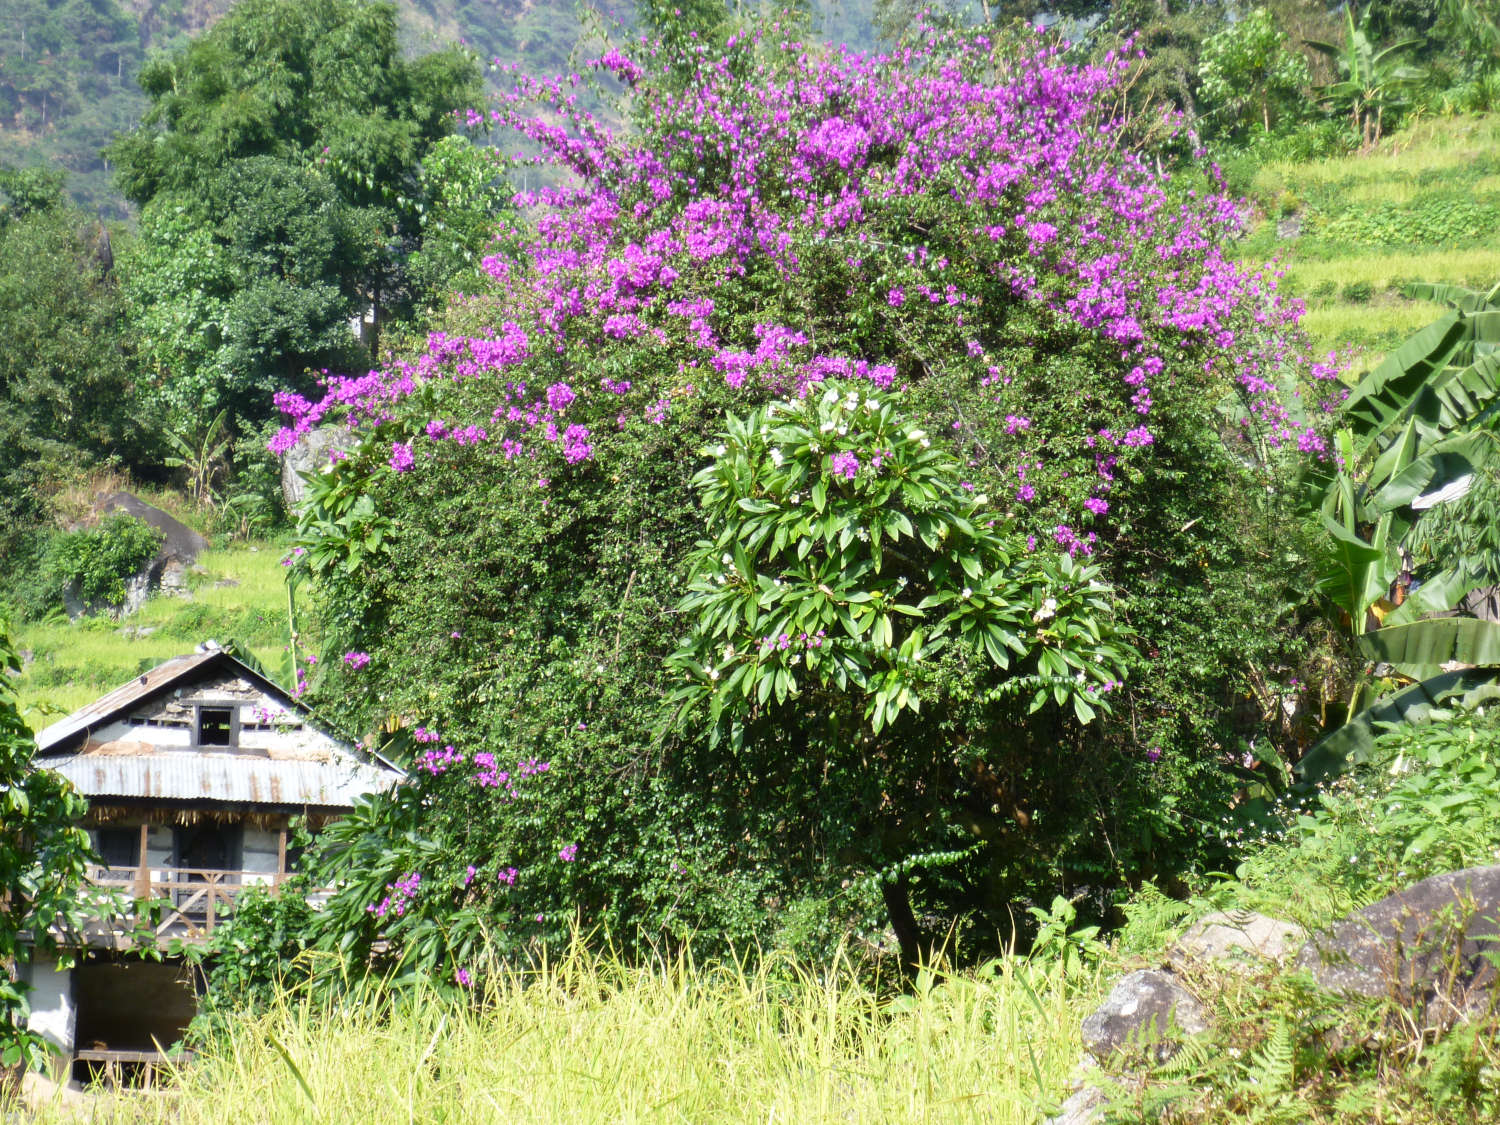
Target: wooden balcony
190, 900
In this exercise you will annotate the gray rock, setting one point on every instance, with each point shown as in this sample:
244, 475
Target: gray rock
1145, 1008
165, 573
179, 541
1439, 938
309, 455
1085, 1107
1239, 939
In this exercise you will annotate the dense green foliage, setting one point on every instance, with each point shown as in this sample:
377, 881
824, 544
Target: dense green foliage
65, 376
277, 171
525, 609
43, 854
95, 562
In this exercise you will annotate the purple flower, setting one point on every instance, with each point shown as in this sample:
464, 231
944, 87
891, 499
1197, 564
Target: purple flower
354, 661
845, 465
401, 456
569, 853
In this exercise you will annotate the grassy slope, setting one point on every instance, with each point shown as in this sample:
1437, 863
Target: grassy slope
1424, 207
589, 1041
72, 663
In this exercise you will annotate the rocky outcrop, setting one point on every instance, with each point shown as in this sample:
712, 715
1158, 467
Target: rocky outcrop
1241, 940
1438, 940
1433, 949
166, 573
1147, 1010
309, 455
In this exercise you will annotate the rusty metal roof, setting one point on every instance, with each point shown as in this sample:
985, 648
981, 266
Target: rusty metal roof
183, 775
200, 775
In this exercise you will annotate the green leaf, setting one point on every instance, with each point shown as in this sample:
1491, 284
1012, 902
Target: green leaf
1352, 742
1421, 648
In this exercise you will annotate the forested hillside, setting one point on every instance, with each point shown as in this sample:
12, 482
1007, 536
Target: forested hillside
69, 68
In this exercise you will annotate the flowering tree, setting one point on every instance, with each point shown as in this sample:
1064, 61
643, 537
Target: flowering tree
957, 224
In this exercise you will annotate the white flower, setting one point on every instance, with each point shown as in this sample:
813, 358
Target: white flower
862, 534
713, 673
871, 404
925, 444
843, 430
917, 435
776, 458
718, 451
726, 558
968, 592
1048, 609
826, 427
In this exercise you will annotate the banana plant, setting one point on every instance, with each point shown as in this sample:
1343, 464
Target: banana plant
1419, 452
1371, 81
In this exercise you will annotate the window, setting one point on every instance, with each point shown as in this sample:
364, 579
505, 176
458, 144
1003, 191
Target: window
120, 847
216, 726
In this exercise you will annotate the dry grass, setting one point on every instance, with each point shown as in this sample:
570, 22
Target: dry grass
592, 1041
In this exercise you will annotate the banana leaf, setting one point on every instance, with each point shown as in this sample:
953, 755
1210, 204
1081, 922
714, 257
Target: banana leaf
1445, 466
1421, 648
1454, 296
1458, 396
1382, 395
1355, 574
1436, 595
1352, 742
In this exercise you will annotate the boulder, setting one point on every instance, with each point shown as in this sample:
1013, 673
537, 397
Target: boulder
1438, 939
1146, 1008
309, 455
167, 572
1237, 940
1084, 1107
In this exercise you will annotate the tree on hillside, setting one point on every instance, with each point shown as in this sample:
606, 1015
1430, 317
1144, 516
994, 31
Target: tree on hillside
1045, 363
65, 372
1250, 73
277, 171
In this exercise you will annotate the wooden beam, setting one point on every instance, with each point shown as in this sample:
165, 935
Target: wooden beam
143, 868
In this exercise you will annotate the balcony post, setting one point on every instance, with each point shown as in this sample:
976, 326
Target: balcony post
142, 868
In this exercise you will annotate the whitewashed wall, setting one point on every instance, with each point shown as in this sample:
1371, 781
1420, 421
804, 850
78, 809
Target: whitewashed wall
54, 1016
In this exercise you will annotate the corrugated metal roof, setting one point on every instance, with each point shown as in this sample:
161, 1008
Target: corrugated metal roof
232, 778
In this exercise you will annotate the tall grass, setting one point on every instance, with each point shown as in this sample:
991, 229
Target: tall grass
591, 1040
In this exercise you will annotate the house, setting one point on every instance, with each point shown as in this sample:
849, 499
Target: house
193, 772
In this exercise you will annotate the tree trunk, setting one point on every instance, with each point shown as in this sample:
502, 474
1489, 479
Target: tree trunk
897, 896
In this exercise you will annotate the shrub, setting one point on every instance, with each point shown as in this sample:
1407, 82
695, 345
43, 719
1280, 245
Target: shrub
1358, 292
96, 561
510, 544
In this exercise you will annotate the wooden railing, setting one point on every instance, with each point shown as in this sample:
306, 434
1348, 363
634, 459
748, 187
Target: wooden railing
191, 899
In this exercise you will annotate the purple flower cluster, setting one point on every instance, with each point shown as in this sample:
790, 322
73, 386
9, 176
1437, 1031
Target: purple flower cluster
816, 165
398, 896
491, 776
354, 661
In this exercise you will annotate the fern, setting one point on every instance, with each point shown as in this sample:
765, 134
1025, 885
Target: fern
1268, 1080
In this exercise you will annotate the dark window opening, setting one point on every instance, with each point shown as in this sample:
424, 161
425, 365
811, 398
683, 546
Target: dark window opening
215, 726
120, 847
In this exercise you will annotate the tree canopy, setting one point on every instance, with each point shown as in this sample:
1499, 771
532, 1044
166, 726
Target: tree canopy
277, 171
